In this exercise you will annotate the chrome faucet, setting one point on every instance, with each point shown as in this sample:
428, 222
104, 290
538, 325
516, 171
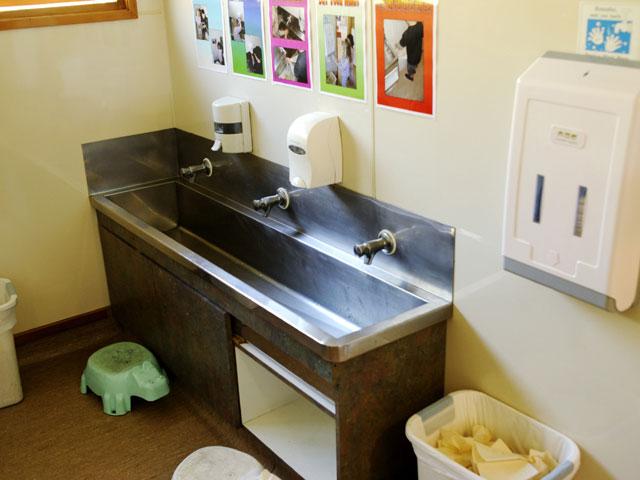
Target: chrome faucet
265, 204
190, 172
386, 243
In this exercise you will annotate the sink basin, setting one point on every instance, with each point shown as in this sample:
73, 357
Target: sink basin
335, 304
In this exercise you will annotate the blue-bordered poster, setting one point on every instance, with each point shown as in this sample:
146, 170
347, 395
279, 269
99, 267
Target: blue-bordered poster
210, 38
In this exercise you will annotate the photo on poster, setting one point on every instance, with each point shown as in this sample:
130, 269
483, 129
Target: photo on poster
403, 59
236, 20
341, 42
247, 39
340, 49
253, 51
289, 37
202, 22
288, 23
217, 47
405, 68
209, 35
290, 65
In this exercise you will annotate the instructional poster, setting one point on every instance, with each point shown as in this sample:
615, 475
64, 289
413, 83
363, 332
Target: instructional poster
341, 43
247, 37
211, 51
609, 29
405, 53
289, 35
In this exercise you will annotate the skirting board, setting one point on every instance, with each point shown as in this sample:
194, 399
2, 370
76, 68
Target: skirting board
37, 333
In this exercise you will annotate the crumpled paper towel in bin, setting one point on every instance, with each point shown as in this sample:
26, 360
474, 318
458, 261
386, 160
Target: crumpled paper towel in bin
493, 460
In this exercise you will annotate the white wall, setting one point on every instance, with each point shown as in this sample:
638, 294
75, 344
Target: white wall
60, 87
570, 365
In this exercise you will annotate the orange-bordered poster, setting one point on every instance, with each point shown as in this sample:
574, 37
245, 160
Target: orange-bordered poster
405, 54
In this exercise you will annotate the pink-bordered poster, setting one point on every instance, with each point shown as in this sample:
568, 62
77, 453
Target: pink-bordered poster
289, 35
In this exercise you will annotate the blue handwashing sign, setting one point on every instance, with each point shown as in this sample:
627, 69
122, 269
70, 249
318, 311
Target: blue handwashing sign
610, 36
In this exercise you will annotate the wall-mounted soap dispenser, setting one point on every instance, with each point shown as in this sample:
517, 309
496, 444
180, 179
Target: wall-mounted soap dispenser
573, 194
232, 125
315, 150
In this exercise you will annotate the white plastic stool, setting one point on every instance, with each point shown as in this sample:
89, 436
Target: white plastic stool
10, 388
221, 462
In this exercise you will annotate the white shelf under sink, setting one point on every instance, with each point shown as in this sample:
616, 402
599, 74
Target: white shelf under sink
293, 427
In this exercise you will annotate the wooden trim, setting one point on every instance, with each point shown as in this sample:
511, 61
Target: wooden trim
16, 3
52, 16
38, 333
65, 10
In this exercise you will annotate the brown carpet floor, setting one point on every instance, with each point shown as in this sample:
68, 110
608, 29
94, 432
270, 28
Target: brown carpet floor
58, 433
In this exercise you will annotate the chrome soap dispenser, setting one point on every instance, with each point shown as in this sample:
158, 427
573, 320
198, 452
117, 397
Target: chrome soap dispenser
315, 150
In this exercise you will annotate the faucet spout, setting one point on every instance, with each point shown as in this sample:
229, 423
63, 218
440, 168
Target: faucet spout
190, 172
385, 243
265, 204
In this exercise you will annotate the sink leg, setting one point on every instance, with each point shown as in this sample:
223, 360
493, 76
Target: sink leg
376, 394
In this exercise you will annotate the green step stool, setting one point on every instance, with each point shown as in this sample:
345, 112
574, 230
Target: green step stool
122, 370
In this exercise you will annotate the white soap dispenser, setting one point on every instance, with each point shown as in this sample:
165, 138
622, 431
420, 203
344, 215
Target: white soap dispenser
232, 125
315, 150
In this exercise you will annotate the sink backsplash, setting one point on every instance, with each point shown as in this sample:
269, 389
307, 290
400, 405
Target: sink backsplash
333, 215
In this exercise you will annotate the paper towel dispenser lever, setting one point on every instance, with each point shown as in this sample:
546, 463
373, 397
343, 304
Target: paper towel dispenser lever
574, 169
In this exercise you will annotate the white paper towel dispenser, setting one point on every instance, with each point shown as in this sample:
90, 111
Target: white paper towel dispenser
573, 195
315, 150
232, 125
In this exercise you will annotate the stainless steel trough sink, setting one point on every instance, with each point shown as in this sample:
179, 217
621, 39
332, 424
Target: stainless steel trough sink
332, 302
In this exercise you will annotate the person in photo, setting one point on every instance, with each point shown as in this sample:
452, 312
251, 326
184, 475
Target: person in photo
236, 20
346, 66
254, 60
217, 50
300, 67
253, 52
340, 50
412, 40
403, 65
202, 22
237, 29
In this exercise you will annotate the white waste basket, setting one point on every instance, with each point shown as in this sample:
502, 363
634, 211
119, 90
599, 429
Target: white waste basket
460, 411
10, 388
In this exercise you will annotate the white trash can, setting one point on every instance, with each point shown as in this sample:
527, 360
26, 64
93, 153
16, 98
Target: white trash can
10, 388
460, 411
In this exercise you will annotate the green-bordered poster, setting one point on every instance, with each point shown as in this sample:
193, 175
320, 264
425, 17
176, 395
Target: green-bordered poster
341, 43
247, 38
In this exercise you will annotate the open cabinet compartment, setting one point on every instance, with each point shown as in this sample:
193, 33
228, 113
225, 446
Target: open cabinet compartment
287, 414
